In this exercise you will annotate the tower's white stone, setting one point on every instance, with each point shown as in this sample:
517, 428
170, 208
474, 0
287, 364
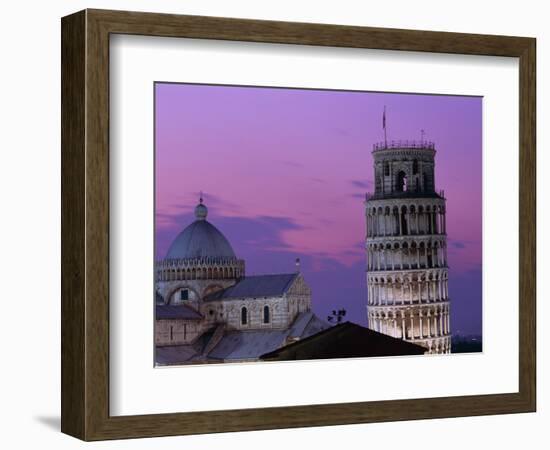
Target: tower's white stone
406, 246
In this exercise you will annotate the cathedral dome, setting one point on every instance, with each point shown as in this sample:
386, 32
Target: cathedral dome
201, 239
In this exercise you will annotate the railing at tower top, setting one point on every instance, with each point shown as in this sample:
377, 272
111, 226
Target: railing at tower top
404, 194
422, 145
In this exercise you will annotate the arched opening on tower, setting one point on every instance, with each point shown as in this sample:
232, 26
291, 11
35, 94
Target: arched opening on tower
401, 185
378, 186
430, 258
426, 182
404, 227
395, 221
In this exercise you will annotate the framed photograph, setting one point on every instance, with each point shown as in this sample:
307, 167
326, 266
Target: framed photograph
273, 225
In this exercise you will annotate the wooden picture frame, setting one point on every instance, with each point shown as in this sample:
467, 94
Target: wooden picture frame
85, 224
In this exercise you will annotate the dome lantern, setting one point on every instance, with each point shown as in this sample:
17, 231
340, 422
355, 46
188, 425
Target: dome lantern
201, 211
200, 240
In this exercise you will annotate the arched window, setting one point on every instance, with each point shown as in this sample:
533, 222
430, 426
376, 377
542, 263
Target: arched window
430, 258
386, 169
404, 221
426, 182
401, 185
184, 294
266, 314
415, 167
244, 316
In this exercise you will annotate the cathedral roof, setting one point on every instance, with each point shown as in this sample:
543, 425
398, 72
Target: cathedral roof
176, 312
257, 286
201, 239
238, 345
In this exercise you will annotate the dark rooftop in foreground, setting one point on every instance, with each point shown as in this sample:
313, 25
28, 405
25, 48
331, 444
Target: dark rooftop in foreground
257, 286
346, 340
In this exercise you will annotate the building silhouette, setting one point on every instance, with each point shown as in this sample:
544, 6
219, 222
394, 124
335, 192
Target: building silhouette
208, 310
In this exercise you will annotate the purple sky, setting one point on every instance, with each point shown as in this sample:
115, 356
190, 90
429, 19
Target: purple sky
284, 173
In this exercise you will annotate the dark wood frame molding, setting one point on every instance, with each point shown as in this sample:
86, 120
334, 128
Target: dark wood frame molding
85, 224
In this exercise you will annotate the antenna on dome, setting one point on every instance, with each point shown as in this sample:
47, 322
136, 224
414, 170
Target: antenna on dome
298, 265
200, 198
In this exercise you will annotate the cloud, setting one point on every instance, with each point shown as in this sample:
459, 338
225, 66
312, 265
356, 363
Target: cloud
295, 164
183, 209
360, 195
342, 132
254, 232
318, 180
363, 184
458, 244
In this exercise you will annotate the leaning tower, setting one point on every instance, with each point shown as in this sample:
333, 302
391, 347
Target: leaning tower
406, 245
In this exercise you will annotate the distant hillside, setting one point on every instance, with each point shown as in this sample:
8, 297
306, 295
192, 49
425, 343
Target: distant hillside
466, 344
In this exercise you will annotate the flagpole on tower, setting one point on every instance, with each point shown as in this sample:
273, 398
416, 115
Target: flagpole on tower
384, 126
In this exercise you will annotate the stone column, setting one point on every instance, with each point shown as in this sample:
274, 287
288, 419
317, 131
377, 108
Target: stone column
368, 225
